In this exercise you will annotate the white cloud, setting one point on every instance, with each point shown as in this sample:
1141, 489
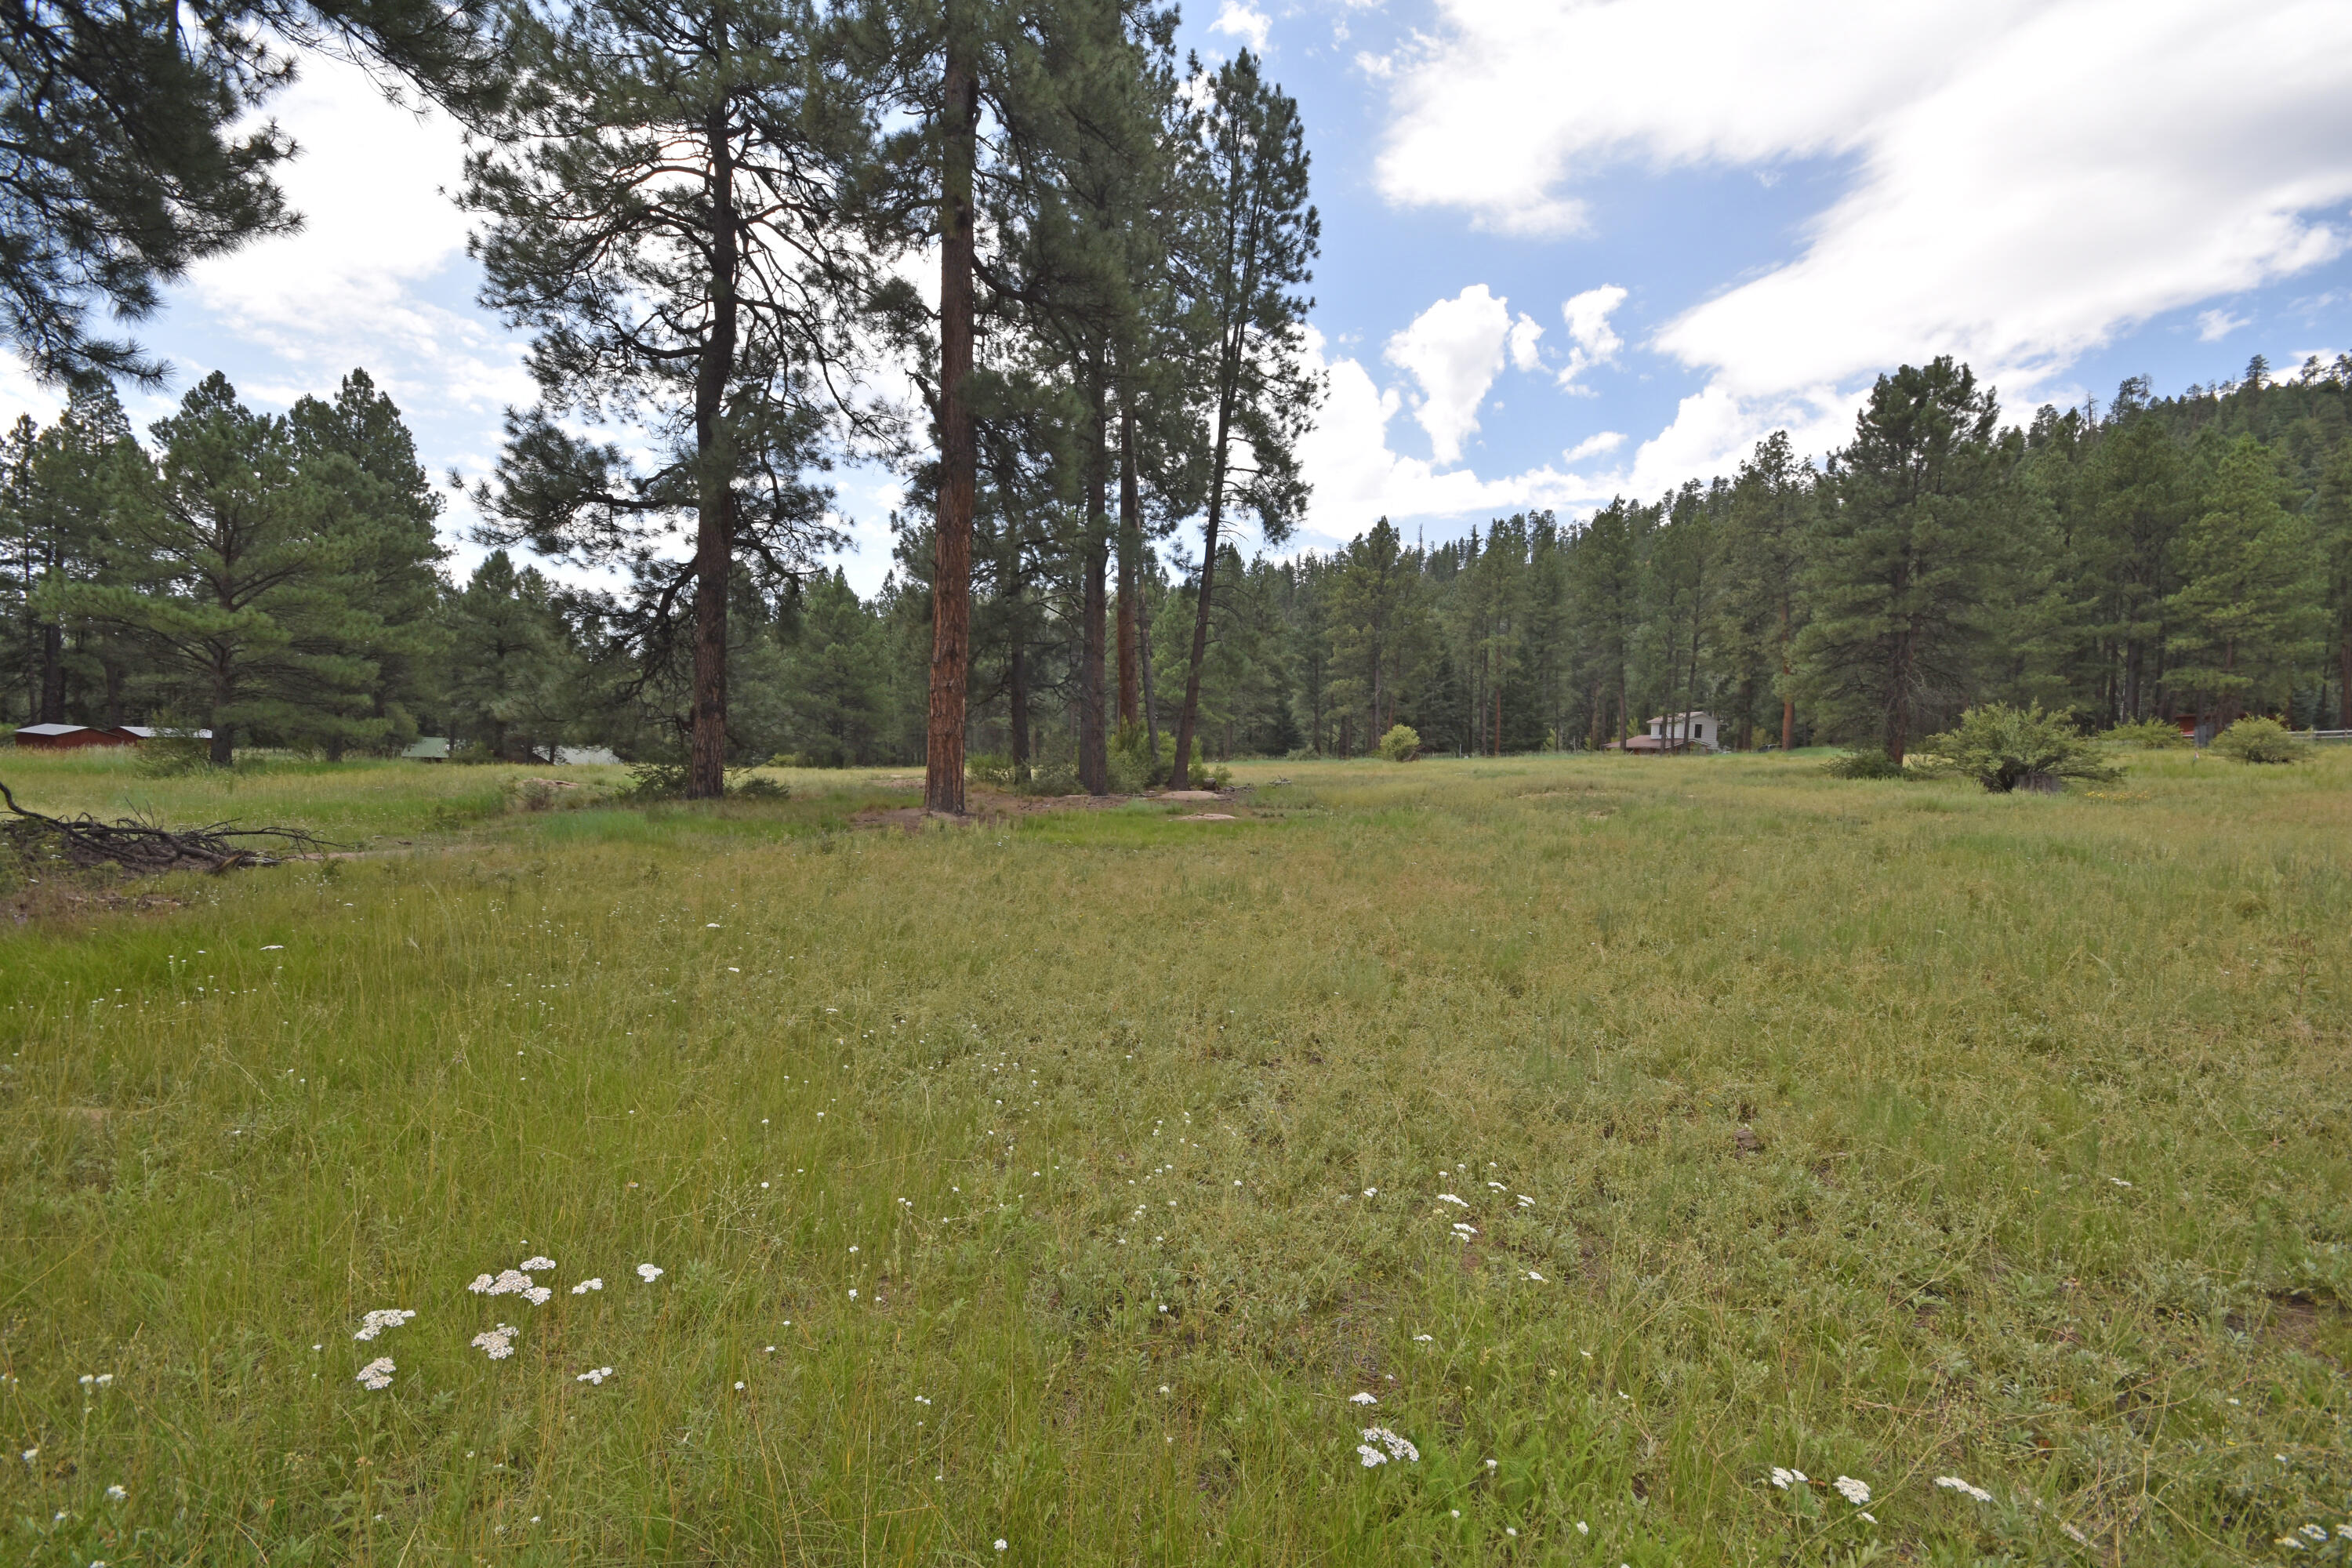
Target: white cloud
2029, 177
2214, 325
1594, 341
1526, 332
1454, 350
1594, 446
1238, 20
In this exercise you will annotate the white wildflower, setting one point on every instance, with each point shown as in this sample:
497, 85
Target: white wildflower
587, 1285
103, 1378
1853, 1491
648, 1272
594, 1374
1450, 1198
1536, 1276
1361, 1399
1398, 1447
116, 1494
1954, 1483
1526, 1202
2316, 1531
2076, 1535
1421, 1338
508, 1282
377, 1373
1582, 1528
1000, 1543
1782, 1479
535, 1265
496, 1343
31, 1454
1371, 1456
538, 1295
1464, 1231
1865, 1513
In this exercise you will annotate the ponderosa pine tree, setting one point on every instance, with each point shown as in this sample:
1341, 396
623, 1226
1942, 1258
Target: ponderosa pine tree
1248, 253
134, 148
666, 207
62, 485
1759, 544
513, 677
358, 449
1902, 558
242, 590
2332, 518
2247, 610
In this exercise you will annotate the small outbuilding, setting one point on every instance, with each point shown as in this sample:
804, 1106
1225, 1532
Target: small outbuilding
72, 737
1691, 732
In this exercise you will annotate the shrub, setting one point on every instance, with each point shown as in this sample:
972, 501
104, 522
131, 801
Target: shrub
2251, 739
2146, 735
1401, 745
1864, 762
991, 768
2004, 748
757, 788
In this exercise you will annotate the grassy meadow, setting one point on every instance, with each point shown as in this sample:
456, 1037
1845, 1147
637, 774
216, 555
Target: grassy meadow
1078, 1187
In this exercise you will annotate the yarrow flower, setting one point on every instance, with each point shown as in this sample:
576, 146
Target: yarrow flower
648, 1272
1464, 1231
587, 1285
1398, 1447
496, 1343
377, 1373
1781, 1478
594, 1375
376, 1322
538, 1295
533, 1265
1450, 1198
1361, 1399
508, 1282
1954, 1483
1853, 1491
116, 1494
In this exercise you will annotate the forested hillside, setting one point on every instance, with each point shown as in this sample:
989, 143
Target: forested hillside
277, 581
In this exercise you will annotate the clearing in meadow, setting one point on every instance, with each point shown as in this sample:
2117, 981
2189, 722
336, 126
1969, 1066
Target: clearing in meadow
1584, 1160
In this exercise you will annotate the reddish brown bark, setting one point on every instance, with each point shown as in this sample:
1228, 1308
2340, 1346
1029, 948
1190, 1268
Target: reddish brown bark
943, 758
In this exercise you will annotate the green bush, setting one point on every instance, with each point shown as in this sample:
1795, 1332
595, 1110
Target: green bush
2253, 739
1864, 762
1401, 745
2146, 735
2005, 748
994, 768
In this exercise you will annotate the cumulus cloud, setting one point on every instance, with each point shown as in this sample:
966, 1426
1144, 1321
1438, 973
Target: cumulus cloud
1454, 350
1594, 446
2214, 325
2029, 177
1238, 20
1593, 341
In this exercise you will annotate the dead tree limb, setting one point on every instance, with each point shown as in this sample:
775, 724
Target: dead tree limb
149, 848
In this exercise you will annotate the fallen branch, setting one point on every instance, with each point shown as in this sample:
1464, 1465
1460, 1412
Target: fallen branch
145, 847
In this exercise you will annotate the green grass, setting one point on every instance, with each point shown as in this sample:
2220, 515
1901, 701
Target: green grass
1826, 1096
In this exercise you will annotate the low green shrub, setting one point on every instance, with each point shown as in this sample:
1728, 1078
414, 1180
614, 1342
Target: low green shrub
1401, 745
1863, 762
2253, 739
2146, 735
2005, 748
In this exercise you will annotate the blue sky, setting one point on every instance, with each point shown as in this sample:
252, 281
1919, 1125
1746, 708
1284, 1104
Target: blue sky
1571, 248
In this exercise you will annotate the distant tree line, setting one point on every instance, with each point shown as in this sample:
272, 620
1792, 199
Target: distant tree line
277, 579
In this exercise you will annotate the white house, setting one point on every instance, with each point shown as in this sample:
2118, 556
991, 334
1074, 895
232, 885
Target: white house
1700, 732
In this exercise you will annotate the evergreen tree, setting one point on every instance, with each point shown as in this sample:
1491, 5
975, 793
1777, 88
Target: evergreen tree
2247, 610
513, 677
1247, 256
1904, 560
666, 217
247, 600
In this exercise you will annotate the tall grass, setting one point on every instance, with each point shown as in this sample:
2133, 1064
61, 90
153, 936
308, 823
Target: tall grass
1882, 1131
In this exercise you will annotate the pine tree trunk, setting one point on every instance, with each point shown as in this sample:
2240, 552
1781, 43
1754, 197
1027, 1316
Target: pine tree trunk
943, 749
1130, 548
223, 751
53, 674
714, 545
2344, 693
1093, 742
